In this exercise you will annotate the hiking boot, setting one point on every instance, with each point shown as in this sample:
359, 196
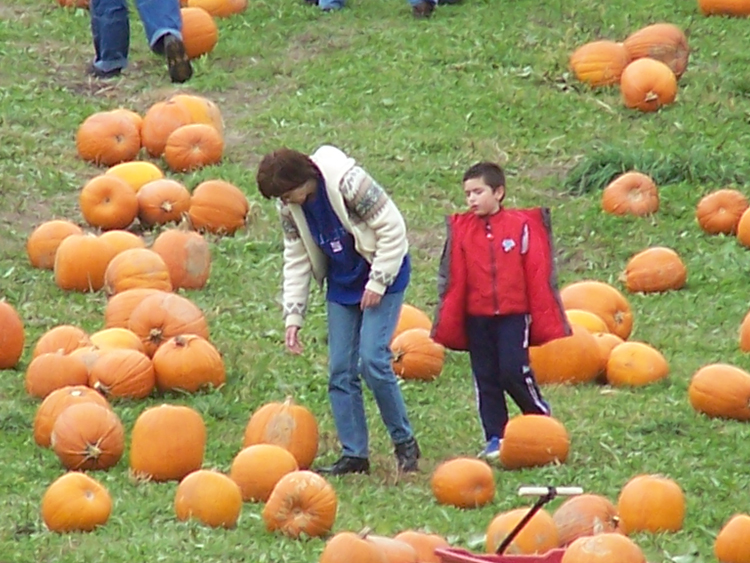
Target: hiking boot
346, 464
103, 74
178, 62
424, 9
408, 454
491, 452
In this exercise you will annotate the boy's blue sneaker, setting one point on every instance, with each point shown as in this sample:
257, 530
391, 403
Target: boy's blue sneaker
492, 450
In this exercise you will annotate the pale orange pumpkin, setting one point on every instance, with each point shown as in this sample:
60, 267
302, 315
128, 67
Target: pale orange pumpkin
395, 551
199, 31
411, 317
731, 545
288, 425
123, 373
42, 243
55, 403
162, 201
88, 436
647, 85
424, 543
107, 138
416, 355
202, 110
75, 502
12, 336
606, 342
80, 262
302, 502
654, 270
602, 299
62, 338
121, 305
721, 390
632, 193
651, 503
136, 268
116, 339
193, 146
209, 497
572, 359
463, 482
51, 371
187, 256
346, 547
257, 469
167, 443
539, 535
189, 363
121, 240
218, 207
720, 211
219, 8
586, 319
603, 548
531, 440
664, 42
599, 63
737, 8
634, 364
585, 515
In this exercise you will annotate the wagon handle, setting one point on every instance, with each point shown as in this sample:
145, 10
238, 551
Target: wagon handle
545, 494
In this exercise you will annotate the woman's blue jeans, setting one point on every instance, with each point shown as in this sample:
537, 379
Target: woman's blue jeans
359, 344
110, 28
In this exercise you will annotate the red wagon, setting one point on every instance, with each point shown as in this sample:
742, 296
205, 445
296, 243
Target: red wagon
545, 494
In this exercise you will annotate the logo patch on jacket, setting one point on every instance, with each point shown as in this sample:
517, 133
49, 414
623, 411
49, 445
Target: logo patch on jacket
508, 244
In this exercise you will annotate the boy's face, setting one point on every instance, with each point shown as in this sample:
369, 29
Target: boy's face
481, 198
300, 194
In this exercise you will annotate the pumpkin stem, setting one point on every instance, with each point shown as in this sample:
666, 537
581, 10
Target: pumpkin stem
364, 532
180, 341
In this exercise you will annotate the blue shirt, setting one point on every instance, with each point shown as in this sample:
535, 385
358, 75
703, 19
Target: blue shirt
348, 271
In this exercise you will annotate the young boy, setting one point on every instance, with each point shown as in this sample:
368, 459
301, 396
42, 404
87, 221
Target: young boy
341, 228
498, 295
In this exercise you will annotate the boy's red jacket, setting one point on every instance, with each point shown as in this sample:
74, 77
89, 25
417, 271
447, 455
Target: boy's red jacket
499, 265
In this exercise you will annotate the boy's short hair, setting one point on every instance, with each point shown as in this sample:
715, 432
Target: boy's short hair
284, 170
490, 172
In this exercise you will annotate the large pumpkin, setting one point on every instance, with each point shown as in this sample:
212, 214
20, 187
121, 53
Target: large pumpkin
647, 85
664, 42
257, 469
631, 193
187, 256
302, 502
61, 338
75, 502
12, 336
42, 243
720, 211
731, 545
218, 207
88, 436
651, 503
721, 390
599, 63
604, 300
463, 482
288, 425
654, 270
633, 364
167, 443
533, 439
416, 355
80, 262
209, 497
603, 548
55, 403
539, 535
585, 515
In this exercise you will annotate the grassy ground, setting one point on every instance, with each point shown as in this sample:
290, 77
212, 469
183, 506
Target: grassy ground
416, 102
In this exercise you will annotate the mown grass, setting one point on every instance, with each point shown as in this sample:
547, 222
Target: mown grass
416, 102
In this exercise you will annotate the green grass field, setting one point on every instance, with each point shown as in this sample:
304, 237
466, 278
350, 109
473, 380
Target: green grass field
416, 102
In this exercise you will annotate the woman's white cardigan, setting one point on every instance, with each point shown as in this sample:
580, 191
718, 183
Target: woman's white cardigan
365, 210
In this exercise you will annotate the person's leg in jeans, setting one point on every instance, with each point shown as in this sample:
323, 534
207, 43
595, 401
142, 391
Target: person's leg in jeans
515, 373
162, 23
110, 29
344, 384
329, 5
378, 324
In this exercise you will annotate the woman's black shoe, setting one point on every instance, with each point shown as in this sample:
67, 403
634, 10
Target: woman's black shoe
346, 464
408, 454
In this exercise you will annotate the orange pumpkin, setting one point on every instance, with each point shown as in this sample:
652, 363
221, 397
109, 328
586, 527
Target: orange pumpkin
136, 173
602, 299
653, 270
302, 502
107, 138
193, 146
121, 241
651, 503
88, 436
632, 193
187, 256
463, 482
189, 363
42, 243
663, 42
721, 390
720, 211
123, 373
202, 110
585, 515
539, 535
108, 202
743, 229
647, 85
395, 551
160, 120
603, 548
633, 364
416, 355
219, 8
738, 8
162, 201
136, 268
121, 305
411, 317
55, 403
606, 342
257, 469
62, 338
199, 31
218, 207
80, 262
572, 359
75, 502
731, 545
134, 117
209, 497
424, 544
599, 63
346, 547
167, 443
51, 371
586, 319
12, 336
288, 425
533, 439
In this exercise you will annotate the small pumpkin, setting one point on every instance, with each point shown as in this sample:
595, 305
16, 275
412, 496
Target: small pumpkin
631, 193
721, 390
651, 503
62, 338
123, 373
42, 243
602, 299
463, 482
424, 544
416, 355
189, 363
653, 270
531, 440
737, 8
199, 31
634, 364
51, 371
108, 202
80, 262
663, 42
116, 339
160, 120
257, 469
411, 317
588, 320
88, 436
346, 547
12, 336
395, 550
571, 359
743, 229
539, 535
720, 211
209, 497
219, 8
55, 403
603, 548
218, 207
167, 443
162, 201
121, 305
121, 240
585, 515
647, 85
193, 146
202, 110
302, 502
134, 268
107, 138
599, 63
731, 545
75, 502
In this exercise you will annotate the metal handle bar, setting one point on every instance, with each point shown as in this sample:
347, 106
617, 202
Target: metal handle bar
558, 491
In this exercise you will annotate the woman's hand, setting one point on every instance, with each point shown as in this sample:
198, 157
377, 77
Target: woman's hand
370, 299
292, 340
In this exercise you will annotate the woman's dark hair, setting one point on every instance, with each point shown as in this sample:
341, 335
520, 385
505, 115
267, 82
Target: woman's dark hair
490, 172
283, 170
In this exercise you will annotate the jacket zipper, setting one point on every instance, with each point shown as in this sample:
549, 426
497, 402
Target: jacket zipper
493, 263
